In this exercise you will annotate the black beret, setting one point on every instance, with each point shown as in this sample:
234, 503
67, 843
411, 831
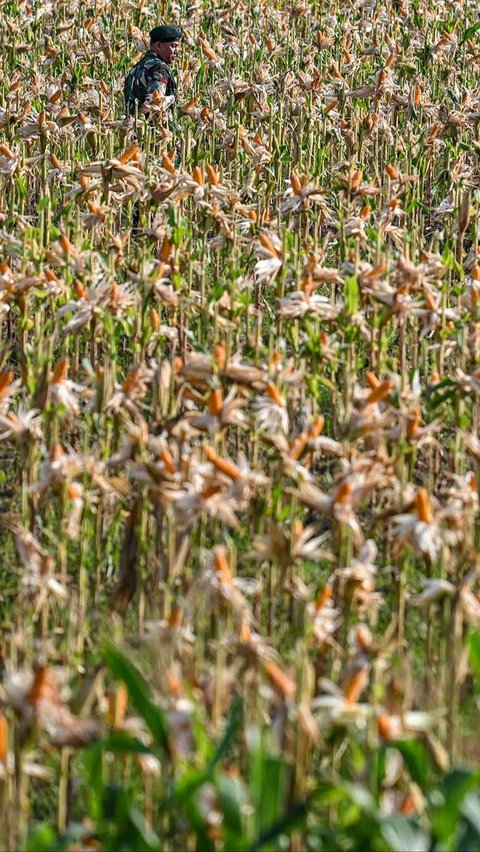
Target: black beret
165, 34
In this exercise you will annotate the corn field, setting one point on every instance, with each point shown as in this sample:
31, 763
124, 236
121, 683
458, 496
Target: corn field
239, 443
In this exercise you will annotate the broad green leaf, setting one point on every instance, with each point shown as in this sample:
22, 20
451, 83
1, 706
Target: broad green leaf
415, 757
120, 742
272, 795
360, 796
190, 782
403, 835
93, 761
474, 655
453, 790
199, 825
44, 839
129, 828
194, 779
471, 31
470, 811
233, 725
122, 669
141, 838
231, 797
294, 818
378, 769
267, 782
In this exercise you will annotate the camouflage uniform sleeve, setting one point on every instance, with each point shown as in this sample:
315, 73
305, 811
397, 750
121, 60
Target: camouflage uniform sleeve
158, 80
128, 94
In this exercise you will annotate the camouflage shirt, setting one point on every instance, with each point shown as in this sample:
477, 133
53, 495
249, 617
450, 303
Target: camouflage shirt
150, 74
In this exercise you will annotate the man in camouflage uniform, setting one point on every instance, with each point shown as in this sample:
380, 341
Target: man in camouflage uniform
153, 72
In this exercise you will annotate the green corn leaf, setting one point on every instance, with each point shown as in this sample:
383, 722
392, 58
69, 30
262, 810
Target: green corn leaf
193, 779
294, 818
469, 33
456, 785
231, 797
352, 295
416, 761
122, 669
474, 655
403, 835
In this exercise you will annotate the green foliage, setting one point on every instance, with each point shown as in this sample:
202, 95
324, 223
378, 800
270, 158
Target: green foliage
118, 823
450, 820
352, 293
122, 669
196, 467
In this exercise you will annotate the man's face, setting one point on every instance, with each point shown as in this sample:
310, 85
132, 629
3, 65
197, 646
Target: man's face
166, 50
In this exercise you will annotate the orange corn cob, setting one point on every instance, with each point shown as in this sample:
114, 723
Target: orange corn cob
154, 319
168, 461
168, 165
331, 105
355, 686
220, 354
197, 176
423, 507
5, 150
220, 563
117, 709
325, 595
279, 680
176, 617
212, 175
129, 154
274, 394
215, 402
296, 183
61, 371
223, 465
385, 728
343, 492
131, 382
3, 739
391, 172
381, 392
413, 422
267, 243
6, 379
